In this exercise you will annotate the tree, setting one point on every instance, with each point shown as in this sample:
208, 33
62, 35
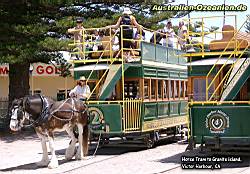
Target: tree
34, 31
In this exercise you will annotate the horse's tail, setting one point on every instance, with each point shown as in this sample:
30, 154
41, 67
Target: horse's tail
85, 141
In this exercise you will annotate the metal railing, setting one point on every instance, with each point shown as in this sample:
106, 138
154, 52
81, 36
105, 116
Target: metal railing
131, 112
203, 33
82, 48
208, 86
132, 115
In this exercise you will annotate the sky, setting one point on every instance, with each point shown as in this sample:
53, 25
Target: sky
241, 16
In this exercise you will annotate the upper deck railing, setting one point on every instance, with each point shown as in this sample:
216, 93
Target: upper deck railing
117, 45
213, 43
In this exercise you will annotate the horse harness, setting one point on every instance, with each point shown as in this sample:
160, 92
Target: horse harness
45, 114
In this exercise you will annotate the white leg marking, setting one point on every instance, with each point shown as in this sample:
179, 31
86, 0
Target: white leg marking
53, 162
79, 154
70, 151
45, 158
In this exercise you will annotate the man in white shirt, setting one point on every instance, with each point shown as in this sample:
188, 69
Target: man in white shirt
169, 40
81, 90
182, 35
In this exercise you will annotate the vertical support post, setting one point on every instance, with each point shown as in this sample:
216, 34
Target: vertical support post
123, 95
110, 45
207, 88
83, 44
32, 83
66, 86
202, 33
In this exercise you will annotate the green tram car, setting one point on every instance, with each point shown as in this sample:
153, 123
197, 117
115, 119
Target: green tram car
219, 87
139, 97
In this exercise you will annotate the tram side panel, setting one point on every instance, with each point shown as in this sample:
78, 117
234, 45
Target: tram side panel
106, 118
222, 124
164, 114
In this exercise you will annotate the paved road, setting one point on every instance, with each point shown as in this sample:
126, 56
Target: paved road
18, 154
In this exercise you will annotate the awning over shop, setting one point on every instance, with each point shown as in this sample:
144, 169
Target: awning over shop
211, 62
91, 67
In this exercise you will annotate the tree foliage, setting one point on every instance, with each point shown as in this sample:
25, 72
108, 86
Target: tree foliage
36, 30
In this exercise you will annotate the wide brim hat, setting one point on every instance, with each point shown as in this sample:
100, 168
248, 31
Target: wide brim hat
82, 78
127, 11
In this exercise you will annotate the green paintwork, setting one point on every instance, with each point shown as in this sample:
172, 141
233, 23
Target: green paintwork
164, 73
200, 70
160, 53
114, 74
239, 120
94, 75
162, 109
134, 71
150, 110
236, 88
112, 115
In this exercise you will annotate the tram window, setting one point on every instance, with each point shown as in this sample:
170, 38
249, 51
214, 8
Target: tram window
185, 89
176, 89
181, 89
153, 89
171, 89
146, 88
165, 89
160, 90
131, 89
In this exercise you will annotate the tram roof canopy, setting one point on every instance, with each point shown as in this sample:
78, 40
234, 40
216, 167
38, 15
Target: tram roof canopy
91, 67
212, 61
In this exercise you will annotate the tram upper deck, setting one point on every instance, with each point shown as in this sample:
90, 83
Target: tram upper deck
124, 46
121, 45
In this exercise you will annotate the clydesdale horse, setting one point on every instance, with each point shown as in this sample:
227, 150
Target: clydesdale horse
48, 116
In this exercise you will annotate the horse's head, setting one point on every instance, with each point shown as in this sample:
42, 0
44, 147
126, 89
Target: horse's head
18, 115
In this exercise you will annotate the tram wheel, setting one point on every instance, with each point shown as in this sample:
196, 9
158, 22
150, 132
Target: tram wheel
149, 141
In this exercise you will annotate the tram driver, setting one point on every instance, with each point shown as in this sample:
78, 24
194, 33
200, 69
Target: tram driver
81, 90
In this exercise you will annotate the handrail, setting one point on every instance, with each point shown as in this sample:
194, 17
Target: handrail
100, 80
203, 33
228, 72
233, 38
218, 102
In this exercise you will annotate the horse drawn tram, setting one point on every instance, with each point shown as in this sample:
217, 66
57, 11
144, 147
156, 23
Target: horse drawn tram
219, 85
138, 92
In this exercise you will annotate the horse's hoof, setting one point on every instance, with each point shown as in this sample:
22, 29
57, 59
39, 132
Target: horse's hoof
53, 165
42, 163
79, 157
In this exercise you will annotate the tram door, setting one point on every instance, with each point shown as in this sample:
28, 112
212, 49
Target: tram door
132, 107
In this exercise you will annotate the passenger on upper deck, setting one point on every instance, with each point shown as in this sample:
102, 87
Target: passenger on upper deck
78, 34
126, 19
182, 35
168, 30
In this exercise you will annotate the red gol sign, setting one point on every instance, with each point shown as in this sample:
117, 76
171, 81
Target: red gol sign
38, 70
